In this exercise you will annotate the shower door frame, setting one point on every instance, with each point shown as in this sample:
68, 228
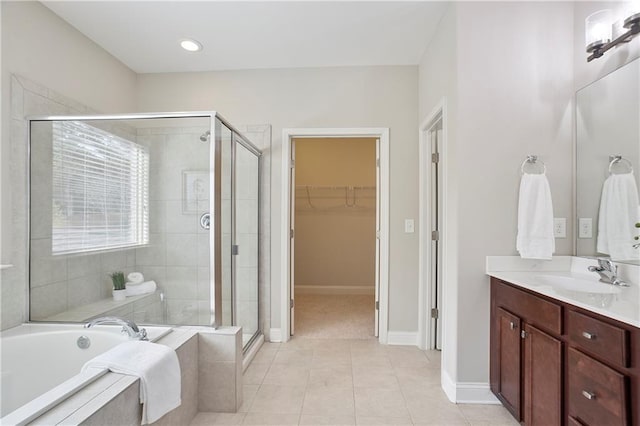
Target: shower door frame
215, 193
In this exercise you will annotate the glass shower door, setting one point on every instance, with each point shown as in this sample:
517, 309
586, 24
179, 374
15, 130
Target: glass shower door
245, 261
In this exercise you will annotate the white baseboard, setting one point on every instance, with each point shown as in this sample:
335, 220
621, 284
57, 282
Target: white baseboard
467, 392
402, 338
275, 335
334, 289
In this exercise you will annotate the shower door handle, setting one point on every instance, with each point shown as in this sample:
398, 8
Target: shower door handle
205, 221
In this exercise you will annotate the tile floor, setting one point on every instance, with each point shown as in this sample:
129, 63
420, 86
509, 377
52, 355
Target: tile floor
348, 382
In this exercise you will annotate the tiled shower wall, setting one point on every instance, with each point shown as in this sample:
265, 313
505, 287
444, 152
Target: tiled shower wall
178, 255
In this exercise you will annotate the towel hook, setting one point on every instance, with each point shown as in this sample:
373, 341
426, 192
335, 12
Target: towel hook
615, 159
533, 159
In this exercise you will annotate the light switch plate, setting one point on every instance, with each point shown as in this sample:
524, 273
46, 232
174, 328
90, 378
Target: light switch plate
560, 227
585, 225
409, 226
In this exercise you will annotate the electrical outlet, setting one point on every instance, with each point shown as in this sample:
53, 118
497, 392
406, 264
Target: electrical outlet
585, 225
560, 227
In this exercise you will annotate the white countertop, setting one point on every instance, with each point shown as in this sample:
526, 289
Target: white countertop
623, 306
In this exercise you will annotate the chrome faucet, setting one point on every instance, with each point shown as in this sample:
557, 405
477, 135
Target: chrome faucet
128, 327
608, 272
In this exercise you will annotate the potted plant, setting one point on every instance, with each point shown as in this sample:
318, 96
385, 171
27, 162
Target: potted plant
119, 285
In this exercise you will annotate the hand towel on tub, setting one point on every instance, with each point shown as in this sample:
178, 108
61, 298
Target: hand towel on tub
135, 278
618, 216
138, 289
158, 369
535, 238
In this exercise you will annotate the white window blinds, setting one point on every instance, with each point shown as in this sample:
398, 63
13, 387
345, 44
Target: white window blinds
100, 190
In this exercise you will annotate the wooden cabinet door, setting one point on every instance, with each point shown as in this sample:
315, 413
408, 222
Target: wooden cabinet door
542, 378
509, 353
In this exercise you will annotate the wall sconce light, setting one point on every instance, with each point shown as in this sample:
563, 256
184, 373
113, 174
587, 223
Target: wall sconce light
598, 32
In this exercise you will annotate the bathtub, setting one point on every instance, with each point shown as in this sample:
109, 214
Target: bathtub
40, 364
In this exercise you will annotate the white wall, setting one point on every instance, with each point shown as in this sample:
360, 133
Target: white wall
512, 90
318, 97
38, 45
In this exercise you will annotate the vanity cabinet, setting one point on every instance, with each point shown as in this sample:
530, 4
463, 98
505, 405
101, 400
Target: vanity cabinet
553, 363
526, 373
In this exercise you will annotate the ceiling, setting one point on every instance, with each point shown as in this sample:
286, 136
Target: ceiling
144, 35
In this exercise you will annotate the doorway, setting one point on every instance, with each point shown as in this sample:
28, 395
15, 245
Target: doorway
314, 197
433, 300
334, 217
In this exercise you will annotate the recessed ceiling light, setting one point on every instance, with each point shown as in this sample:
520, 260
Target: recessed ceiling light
191, 45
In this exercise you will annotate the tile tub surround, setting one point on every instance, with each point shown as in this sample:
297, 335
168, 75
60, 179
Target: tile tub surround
330, 381
624, 306
113, 399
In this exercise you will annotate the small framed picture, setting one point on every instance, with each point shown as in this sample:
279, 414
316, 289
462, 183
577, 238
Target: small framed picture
195, 188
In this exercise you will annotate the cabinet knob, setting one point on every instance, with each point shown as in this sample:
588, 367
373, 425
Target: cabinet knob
512, 325
588, 395
587, 335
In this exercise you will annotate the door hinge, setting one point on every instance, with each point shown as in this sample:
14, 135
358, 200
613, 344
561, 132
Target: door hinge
377, 305
291, 233
235, 250
435, 235
435, 157
291, 304
377, 162
435, 313
377, 235
292, 164
523, 334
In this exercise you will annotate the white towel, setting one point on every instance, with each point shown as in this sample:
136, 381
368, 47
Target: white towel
535, 238
618, 216
157, 367
135, 278
138, 289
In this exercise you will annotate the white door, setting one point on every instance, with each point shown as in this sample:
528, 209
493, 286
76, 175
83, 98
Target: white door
436, 234
292, 219
377, 274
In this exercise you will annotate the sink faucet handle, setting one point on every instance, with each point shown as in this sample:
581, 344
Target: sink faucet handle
607, 264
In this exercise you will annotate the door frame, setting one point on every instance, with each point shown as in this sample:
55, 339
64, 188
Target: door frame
425, 290
381, 133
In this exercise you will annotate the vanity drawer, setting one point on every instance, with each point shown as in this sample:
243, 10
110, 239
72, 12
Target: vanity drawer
535, 310
597, 394
606, 341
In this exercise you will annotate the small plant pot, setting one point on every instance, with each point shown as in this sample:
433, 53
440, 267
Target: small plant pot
119, 295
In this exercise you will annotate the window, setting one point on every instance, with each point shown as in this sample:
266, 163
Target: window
100, 190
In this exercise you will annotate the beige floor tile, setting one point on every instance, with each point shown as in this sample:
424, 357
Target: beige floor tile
206, 419
375, 379
248, 394
429, 412
271, 419
322, 400
418, 377
324, 358
265, 356
327, 420
287, 375
301, 357
370, 363
487, 414
395, 421
336, 375
373, 402
278, 399
254, 374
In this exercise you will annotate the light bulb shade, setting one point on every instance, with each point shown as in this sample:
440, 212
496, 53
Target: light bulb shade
631, 14
598, 29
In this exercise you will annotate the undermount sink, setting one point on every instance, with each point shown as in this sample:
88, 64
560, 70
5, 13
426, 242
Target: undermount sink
577, 284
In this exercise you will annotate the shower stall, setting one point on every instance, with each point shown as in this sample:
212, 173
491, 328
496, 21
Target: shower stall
174, 197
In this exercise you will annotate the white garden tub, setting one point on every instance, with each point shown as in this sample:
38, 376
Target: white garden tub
40, 364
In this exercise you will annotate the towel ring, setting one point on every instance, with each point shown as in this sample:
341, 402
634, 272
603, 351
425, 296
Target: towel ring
533, 159
615, 159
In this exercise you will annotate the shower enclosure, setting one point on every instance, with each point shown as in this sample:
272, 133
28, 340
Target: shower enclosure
175, 197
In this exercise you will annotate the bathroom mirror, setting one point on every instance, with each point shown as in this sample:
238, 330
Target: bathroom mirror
608, 164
